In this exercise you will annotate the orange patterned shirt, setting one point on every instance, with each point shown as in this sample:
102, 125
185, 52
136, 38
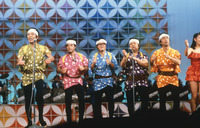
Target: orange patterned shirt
162, 64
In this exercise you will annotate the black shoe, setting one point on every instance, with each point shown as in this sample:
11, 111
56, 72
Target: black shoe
43, 123
29, 124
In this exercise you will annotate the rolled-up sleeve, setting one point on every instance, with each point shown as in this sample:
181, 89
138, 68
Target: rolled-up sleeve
114, 61
90, 72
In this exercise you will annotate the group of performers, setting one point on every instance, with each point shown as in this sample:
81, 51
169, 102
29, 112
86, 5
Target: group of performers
101, 66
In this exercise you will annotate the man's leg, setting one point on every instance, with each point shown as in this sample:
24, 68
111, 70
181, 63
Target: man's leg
129, 95
144, 94
68, 102
162, 96
40, 100
28, 102
176, 99
97, 104
81, 100
109, 95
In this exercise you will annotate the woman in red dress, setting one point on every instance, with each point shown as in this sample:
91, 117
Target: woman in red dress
193, 72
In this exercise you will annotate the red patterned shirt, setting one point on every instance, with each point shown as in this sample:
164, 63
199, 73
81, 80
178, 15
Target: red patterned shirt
73, 75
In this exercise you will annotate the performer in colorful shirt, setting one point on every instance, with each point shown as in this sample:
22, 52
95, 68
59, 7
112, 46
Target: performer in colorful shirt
140, 75
165, 61
26, 60
72, 66
193, 72
101, 66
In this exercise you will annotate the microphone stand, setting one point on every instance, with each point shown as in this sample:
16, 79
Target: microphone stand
133, 82
33, 86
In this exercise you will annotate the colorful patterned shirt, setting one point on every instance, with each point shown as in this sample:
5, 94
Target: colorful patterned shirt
27, 52
102, 69
140, 73
73, 75
162, 64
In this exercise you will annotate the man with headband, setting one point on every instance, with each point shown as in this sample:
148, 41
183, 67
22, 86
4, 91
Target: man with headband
72, 66
25, 60
140, 73
102, 65
165, 61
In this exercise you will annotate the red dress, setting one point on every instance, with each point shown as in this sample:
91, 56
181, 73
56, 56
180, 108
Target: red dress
193, 72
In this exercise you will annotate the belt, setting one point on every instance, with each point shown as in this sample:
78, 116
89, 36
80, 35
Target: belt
167, 73
30, 72
73, 77
99, 76
136, 77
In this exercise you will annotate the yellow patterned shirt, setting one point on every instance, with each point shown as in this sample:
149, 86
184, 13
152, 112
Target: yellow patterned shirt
40, 66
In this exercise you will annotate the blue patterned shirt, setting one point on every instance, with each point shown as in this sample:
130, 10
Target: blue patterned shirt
101, 68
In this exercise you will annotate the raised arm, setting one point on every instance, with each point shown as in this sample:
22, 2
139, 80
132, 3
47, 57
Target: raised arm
188, 50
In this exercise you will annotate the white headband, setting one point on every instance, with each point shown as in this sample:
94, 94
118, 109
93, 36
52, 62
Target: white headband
163, 35
33, 31
134, 40
101, 40
71, 42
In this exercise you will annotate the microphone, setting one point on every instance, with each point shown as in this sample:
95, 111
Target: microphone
35, 40
130, 50
74, 59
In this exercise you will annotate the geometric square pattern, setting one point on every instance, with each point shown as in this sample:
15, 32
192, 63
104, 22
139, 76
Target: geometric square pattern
13, 116
83, 20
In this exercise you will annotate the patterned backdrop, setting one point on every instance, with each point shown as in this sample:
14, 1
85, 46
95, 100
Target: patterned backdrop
83, 20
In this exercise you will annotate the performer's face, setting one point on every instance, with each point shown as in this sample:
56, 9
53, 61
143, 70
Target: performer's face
31, 36
165, 41
197, 40
134, 46
101, 46
71, 48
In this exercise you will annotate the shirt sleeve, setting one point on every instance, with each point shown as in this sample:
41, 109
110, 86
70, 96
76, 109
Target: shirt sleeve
85, 61
46, 50
177, 55
20, 53
90, 72
114, 61
177, 67
145, 56
60, 62
154, 67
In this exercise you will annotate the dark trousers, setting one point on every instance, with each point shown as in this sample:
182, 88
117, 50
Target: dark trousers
39, 98
144, 96
68, 101
98, 99
3, 93
163, 96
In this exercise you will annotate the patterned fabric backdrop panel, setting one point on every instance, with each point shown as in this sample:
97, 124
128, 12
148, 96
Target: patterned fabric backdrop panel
83, 20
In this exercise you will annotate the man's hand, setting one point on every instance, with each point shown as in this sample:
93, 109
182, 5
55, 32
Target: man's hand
134, 58
21, 62
124, 52
95, 60
167, 56
108, 61
62, 70
81, 68
48, 61
153, 58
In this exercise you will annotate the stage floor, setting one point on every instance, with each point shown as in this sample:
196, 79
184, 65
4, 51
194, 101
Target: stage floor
14, 116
